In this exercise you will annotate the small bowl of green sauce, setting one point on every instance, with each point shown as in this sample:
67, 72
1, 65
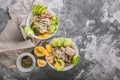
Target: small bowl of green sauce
26, 62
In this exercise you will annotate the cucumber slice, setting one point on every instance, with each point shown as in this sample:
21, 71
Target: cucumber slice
68, 42
75, 59
61, 42
54, 42
28, 30
51, 29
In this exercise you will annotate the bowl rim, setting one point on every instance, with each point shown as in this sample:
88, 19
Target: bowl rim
28, 24
70, 66
18, 62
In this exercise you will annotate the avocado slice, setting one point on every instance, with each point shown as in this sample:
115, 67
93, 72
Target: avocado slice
44, 10
41, 9
34, 8
75, 59
59, 65
38, 10
28, 30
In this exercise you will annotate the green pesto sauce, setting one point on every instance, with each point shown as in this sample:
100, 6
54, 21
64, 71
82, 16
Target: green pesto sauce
26, 61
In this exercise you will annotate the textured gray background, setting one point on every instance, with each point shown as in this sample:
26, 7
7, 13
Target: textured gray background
95, 29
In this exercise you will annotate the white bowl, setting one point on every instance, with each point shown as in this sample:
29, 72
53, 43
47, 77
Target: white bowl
68, 67
19, 66
28, 23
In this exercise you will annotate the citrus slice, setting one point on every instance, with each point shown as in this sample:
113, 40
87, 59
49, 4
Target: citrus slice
39, 51
44, 35
48, 48
41, 63
47, 53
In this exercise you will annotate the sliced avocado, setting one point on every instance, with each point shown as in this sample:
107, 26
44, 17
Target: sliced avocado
55, 59
43, 10
59, 65
68, 42
75, 59
61, 42
34, 8
28, 30
39, 9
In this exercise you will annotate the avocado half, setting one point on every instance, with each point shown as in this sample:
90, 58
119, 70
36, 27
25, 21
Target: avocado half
59, 65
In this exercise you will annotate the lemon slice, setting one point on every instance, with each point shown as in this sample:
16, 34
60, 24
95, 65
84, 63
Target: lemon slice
41, 63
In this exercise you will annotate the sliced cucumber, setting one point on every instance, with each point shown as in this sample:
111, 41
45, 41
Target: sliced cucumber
75, 59
55, 42
61, 42
68, 42
51, 29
